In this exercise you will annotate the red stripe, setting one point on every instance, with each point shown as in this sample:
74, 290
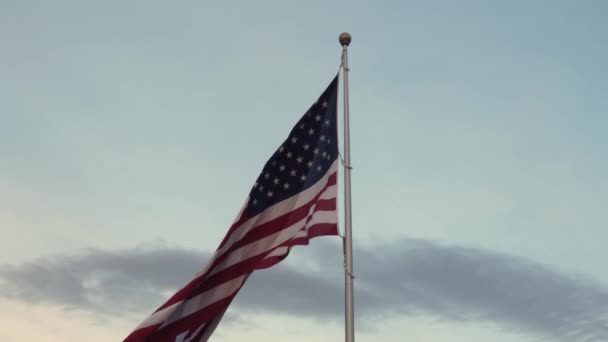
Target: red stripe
229, 273
191, 322
269, 262
320, 229
286, 220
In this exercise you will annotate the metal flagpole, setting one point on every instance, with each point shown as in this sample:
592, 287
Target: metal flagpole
345, 39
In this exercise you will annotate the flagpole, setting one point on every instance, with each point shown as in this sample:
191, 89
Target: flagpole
349, 308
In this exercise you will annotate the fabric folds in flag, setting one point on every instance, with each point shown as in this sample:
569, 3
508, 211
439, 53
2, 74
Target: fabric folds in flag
292, 201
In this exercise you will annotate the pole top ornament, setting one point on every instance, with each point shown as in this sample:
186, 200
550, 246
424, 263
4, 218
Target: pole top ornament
345, 39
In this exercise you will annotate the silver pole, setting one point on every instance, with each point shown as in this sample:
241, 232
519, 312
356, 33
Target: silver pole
345, 39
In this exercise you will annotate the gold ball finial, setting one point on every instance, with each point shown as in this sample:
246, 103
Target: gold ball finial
345, 38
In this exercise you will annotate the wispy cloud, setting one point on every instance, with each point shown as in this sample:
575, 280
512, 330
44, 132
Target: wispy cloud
408, 277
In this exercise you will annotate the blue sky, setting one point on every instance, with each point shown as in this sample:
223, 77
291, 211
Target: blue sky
130, 133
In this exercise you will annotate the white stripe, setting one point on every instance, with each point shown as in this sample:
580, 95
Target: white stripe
158, 316
330, 193
211, 325
277, 252
318, 217
260, 246
301, 233
202, 300
323, 217
278, 209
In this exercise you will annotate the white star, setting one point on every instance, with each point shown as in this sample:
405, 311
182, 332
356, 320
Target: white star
311, 131
294, 140
324, 104
319, 168
318, 117
269, 194
289, 155
255, 184
274, 163
303, 178
276, 181
306, 147
286, 186
324, 154
328, 140
322, 138
309, 164
261, 188
327, 122
293, 172
281, 149
282, 167
300, 160
316, 151
255, 201
267, 175
302, 126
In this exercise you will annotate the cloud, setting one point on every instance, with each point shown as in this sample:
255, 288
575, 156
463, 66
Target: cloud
408, 277
469, 284
102, 281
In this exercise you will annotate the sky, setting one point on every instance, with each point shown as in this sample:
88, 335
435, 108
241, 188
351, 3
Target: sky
131, 133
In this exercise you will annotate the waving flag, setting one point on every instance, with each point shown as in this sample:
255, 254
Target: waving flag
292, 201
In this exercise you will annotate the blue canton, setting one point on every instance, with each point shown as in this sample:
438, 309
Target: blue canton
303, 158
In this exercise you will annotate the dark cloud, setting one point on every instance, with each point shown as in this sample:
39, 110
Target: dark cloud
470, 284
106, 282
409, 277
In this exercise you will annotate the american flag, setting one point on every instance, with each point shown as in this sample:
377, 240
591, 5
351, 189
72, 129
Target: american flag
292, 201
